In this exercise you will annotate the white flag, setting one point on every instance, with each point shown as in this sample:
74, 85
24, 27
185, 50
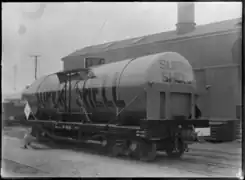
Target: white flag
27, 110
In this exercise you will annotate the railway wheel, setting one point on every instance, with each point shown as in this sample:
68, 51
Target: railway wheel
176, 148
144, 151
116, 150
148, 151
38, 134
134, 149
113, 148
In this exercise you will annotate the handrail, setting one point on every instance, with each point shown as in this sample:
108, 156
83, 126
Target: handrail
133, 100
81, 98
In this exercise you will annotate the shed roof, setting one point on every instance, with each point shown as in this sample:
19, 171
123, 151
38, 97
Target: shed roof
163, 36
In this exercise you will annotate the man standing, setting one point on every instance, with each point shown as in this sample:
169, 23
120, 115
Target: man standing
28, 138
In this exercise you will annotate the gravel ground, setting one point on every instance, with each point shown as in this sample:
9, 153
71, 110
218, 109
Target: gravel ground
203, 160
15, 169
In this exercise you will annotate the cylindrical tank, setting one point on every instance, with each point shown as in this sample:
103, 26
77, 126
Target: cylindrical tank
117, 91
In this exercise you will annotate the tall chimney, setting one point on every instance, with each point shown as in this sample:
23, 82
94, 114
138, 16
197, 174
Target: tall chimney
186, 17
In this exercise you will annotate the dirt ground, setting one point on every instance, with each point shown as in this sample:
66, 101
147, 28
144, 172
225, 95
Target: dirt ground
203, 160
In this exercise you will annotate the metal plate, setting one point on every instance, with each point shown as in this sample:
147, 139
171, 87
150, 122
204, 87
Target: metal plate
203, 131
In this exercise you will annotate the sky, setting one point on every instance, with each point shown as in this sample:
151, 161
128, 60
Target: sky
54, 30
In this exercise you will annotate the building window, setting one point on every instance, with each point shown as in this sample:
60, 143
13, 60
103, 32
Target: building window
93, 61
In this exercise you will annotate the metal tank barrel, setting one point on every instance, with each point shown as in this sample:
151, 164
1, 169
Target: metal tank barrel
158, 86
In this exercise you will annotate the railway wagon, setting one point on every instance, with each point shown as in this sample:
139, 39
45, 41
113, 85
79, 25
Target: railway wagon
134, 107
13, 111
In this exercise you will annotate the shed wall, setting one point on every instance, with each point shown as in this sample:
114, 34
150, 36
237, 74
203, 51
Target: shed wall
221, 99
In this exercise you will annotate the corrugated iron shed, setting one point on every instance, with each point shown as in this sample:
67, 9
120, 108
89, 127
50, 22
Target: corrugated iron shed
200, 30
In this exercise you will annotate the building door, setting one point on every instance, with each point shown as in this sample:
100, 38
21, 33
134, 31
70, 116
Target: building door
222, 94
202, 95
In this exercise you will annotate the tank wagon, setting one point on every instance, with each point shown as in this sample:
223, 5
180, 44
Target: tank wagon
134, 107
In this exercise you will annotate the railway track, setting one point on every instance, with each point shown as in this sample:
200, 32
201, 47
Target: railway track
205, 163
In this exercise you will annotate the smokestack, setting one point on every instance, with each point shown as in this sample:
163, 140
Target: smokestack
186, 17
